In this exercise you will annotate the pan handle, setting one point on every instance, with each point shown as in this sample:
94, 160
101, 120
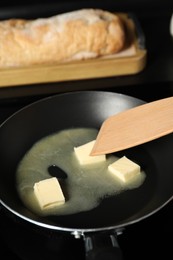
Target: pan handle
102, 246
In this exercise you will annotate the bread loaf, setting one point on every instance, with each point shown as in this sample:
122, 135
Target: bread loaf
76, 35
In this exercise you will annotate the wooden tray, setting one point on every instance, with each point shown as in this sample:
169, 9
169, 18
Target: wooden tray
130, 61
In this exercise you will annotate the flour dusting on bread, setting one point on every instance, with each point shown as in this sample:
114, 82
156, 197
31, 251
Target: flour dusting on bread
76, 35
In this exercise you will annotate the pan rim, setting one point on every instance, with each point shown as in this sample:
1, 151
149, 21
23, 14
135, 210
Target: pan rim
77, 232
79, 92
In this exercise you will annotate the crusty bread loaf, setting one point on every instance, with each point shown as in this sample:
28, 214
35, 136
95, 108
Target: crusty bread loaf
76, 35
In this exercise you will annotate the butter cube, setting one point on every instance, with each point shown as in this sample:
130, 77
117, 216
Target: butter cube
48, 193
124, 169
83, 154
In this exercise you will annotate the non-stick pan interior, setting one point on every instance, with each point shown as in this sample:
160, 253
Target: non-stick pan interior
85, 109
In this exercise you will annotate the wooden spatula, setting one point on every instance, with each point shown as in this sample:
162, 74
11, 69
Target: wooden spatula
135, 126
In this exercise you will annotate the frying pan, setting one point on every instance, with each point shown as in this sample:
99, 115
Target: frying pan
98, 227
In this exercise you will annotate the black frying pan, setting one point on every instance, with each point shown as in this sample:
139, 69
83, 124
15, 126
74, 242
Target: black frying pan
85, 109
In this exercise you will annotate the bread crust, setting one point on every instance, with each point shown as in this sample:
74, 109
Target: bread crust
76, 35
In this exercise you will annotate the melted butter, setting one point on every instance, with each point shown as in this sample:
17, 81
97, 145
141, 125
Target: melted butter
84, 187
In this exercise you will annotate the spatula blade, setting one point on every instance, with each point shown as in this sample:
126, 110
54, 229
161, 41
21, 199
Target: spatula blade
135, 126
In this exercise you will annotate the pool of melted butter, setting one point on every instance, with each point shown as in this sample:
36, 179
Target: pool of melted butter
84, 187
